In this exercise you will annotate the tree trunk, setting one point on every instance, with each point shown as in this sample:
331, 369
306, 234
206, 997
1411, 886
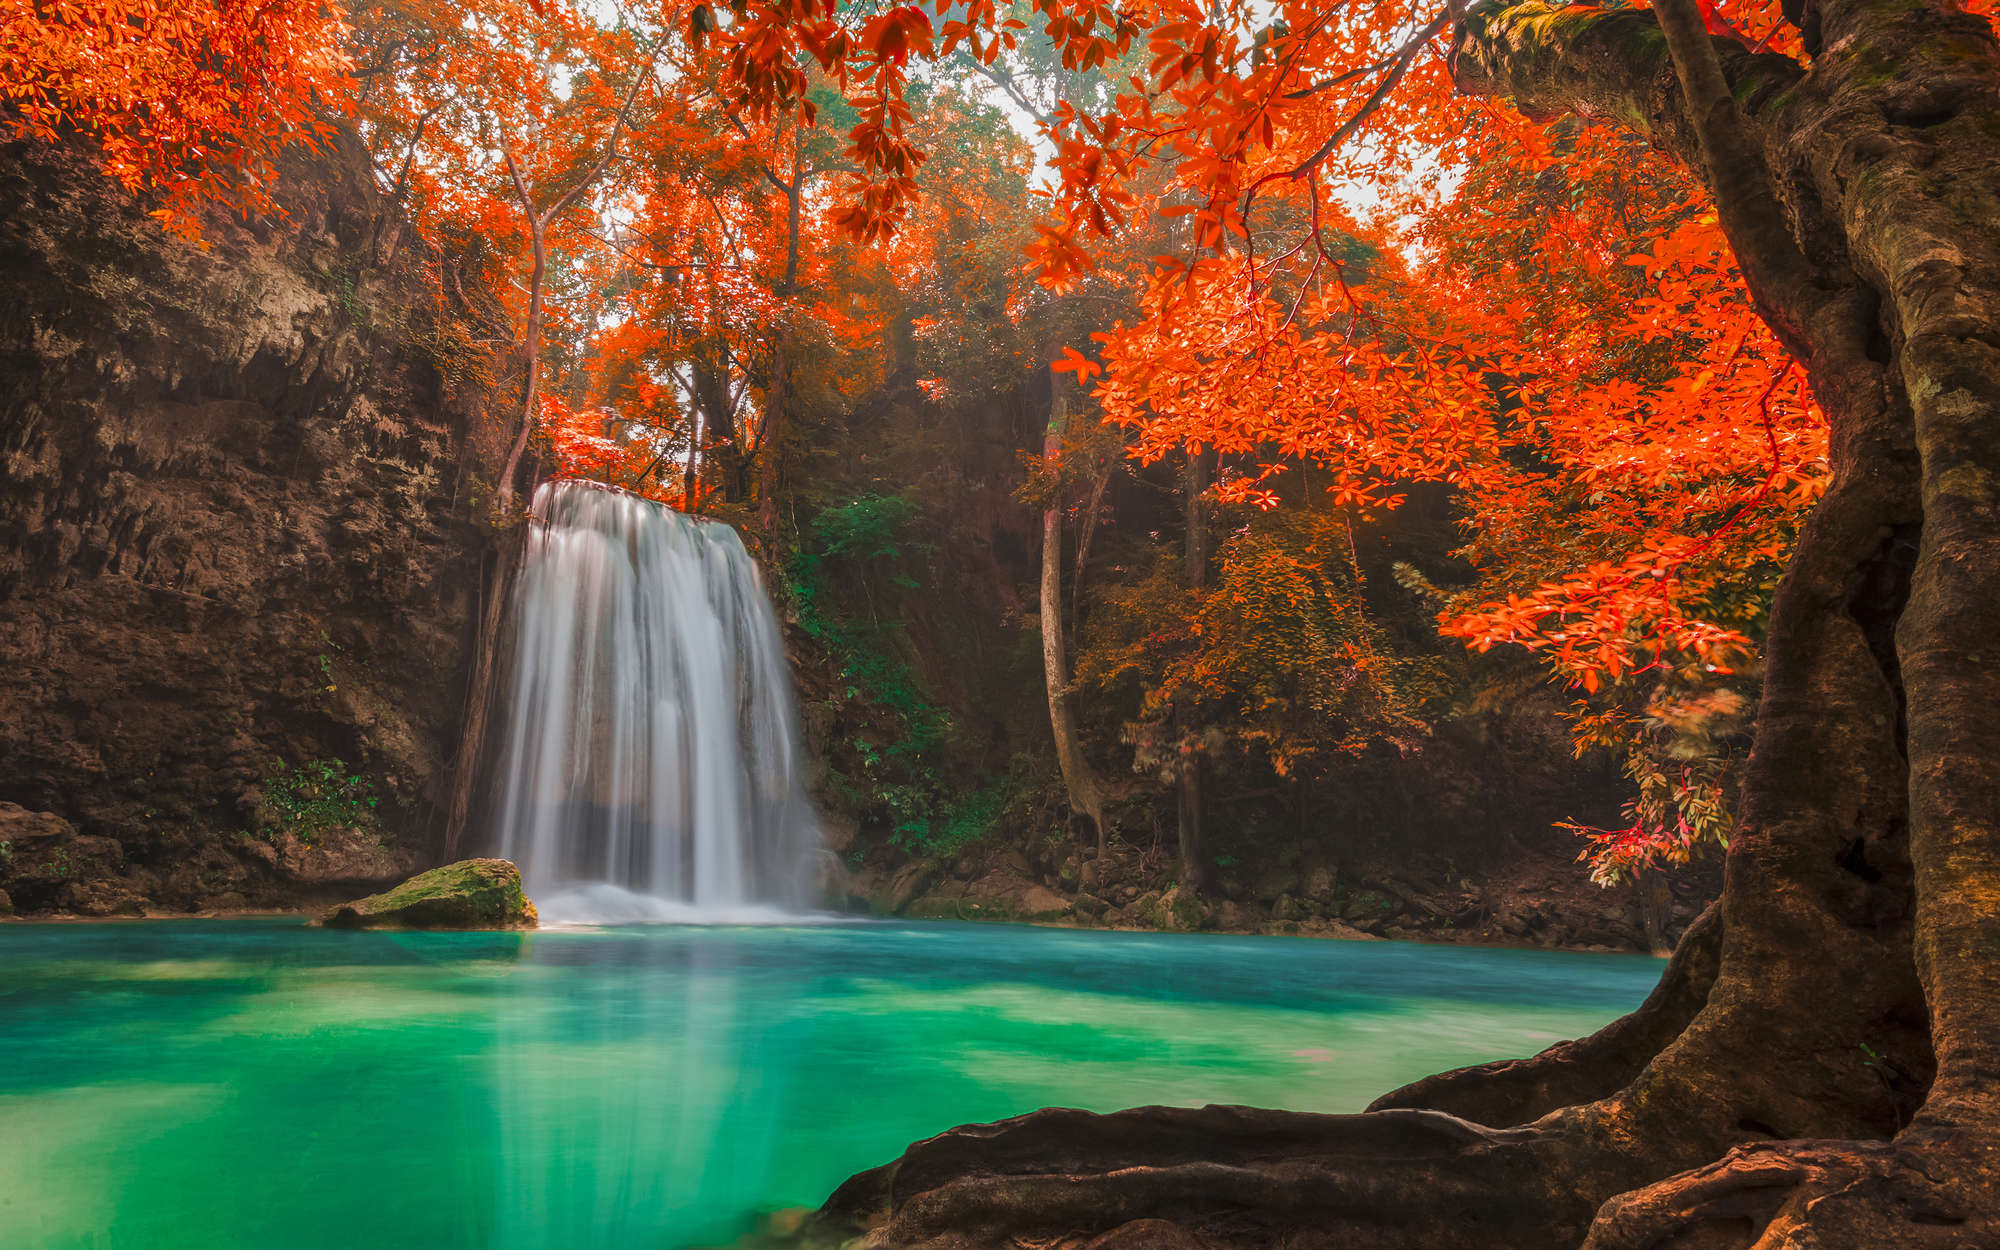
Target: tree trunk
479, 689
1194, 865
1085, 799
531, 349
1656, 905
778, 396
485, 653
1820, 1066
770, 442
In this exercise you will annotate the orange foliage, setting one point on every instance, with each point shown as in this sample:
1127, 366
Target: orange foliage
191, 102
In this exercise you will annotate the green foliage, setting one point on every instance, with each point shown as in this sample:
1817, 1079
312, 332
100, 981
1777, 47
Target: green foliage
896, 779
316, 796
343, 282
872, 527
960, 824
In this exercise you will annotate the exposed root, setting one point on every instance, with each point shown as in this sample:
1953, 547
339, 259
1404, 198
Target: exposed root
1924, 1191
1518, 1091
1228, 1178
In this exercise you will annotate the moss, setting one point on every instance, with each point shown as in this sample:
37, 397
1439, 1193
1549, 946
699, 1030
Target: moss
1367, 904
470, 894
1967, 481
1187, 912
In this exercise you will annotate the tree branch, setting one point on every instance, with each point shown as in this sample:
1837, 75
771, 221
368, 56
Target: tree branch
1746, 202
1615, 65
639, 80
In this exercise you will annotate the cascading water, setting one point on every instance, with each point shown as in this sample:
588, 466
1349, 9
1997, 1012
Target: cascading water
651, 765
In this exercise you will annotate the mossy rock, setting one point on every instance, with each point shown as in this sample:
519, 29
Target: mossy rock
1185, 910
1367, 905
470, 894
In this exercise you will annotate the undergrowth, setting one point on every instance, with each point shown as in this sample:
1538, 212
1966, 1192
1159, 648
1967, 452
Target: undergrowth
316, 796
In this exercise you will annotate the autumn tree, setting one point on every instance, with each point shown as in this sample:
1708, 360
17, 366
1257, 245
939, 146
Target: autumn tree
190, 105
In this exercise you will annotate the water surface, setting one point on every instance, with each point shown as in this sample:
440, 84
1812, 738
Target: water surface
254, 1084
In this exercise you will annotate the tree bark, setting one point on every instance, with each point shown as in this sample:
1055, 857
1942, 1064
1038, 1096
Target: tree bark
1079, 780
778, 396
1195, 552
1820, 1066
465, 765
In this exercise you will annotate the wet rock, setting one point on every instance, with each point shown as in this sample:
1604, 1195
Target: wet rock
1287, 908
1146, 910
470, 894
1181, 909
1006, 894
100, 897
43, 857
1042, 903
1089, 906
903, 889
837, 830
1087, 874
1367, 908
339, 855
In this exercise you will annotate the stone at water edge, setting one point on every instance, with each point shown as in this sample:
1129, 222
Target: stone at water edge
470, 894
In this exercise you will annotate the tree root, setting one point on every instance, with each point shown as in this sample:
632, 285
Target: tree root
1923, 1191
1233, 1178
1226, 1178
1518, 1091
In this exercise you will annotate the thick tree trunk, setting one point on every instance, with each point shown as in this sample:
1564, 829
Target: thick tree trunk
1820, 1066
1079, 780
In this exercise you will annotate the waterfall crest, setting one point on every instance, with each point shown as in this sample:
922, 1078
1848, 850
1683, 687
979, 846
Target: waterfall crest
651, 767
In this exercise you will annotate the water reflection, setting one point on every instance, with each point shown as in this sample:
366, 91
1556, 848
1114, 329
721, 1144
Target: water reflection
637, 1119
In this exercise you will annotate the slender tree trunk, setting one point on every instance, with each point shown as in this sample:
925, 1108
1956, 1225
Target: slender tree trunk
1079, 780
486, 646
1194, 865
778, 397
531, 347
1656, 904
466, 762
768, 446
691, 471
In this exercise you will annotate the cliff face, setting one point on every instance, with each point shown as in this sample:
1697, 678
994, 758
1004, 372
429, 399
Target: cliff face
236, 571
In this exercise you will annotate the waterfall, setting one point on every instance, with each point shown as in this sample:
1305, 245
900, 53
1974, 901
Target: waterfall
651, 767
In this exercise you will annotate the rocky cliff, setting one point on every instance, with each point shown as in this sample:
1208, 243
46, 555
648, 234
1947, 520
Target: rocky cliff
237, 569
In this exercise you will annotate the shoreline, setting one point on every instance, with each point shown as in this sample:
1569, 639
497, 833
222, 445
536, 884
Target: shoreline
1421, 938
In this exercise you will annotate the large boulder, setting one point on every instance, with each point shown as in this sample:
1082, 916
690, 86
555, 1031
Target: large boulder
470, 894
45, 864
